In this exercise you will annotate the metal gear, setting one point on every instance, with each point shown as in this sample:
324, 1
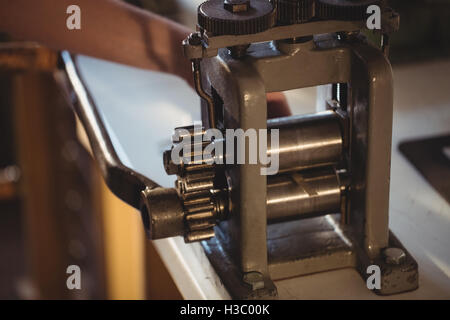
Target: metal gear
294, 11
196, 189
216, 19
343, 9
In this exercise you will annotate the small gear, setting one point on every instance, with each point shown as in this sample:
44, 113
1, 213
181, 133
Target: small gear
294, 11
195, 191
213, 17
195, 186
344, 9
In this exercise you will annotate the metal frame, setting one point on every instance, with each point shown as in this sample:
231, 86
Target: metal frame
245, 242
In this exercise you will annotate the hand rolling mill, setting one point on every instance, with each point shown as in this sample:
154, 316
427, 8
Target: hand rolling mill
328, 206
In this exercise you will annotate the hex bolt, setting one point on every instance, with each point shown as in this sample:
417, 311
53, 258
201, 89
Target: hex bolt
236, 6
394, 256
195, 39
255, 280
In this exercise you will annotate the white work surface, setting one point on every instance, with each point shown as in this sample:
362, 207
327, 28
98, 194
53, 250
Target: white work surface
142, 108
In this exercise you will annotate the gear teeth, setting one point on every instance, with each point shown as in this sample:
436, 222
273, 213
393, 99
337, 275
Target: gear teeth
200, 216
197, 201
343, 9
294, 11
196, 236
195, 185
214, 18
198, 225
191, 196
200, 209
200, 176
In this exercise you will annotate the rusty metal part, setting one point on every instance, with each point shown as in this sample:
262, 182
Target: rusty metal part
215, 18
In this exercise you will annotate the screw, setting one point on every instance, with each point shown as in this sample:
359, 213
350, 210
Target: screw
195, 39
238, 52
255, 280
235, 6
394, 256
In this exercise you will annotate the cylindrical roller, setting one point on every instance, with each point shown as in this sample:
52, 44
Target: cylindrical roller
307, 141
162, 213
303, 195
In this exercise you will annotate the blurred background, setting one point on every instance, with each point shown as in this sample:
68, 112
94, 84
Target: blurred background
55, 209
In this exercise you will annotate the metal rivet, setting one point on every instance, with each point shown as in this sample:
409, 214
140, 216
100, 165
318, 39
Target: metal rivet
195, 39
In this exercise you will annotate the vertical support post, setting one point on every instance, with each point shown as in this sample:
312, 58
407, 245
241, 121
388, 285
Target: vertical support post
372, 85
244, 94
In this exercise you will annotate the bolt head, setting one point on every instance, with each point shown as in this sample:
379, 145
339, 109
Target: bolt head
255, 280
236, 6
195, 39
394, 256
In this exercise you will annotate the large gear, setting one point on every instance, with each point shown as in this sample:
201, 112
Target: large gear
294, 11
214, 18
343, 9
